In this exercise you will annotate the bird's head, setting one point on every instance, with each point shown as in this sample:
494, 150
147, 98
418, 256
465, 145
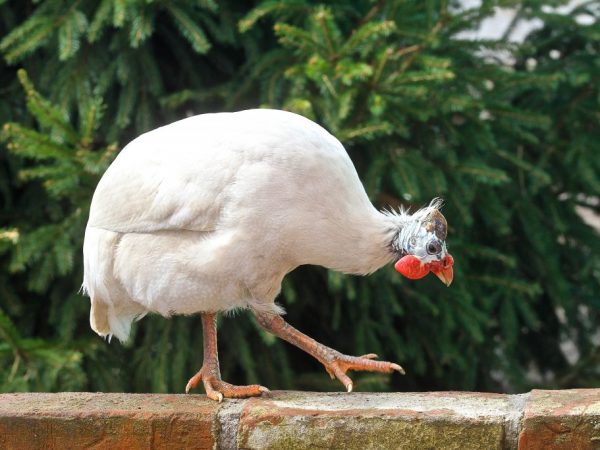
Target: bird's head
421, 246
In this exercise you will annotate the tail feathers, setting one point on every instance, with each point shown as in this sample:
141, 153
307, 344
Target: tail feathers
99, 318
107, 321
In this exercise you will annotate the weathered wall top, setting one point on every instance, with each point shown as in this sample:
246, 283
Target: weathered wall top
568, 419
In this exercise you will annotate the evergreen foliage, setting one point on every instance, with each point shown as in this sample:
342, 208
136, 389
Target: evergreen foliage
506, 133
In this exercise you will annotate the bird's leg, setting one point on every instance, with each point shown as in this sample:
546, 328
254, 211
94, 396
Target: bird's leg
209, 373
336, 363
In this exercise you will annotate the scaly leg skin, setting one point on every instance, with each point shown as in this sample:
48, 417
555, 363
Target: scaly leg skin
210, 375
336, 363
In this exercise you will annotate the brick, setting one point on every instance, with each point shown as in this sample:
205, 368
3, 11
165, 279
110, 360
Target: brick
449, 420
106, 421
565, 419
300, 420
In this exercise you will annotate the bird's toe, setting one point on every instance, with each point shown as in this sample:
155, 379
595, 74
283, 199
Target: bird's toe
339, 364
217, 389
397, 368
193, 382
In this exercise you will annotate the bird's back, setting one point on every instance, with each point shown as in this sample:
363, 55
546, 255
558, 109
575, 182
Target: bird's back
186, 175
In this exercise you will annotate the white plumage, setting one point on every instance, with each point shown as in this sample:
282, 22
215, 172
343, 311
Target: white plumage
210, 213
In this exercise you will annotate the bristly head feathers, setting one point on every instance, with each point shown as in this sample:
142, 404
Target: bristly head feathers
410, 224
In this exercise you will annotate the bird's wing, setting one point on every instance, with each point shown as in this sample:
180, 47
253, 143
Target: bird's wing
155, 185
206, 170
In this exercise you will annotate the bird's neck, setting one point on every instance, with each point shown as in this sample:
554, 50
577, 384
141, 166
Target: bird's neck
359, 245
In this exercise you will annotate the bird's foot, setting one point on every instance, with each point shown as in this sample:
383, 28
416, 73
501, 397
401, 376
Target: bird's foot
217, 389
338, 364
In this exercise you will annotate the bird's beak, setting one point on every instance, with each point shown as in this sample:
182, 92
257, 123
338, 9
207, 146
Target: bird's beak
445, 275
443, 269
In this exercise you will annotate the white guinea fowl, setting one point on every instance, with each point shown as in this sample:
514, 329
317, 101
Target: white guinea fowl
209, 213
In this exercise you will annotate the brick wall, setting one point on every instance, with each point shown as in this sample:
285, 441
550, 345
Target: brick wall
568, 419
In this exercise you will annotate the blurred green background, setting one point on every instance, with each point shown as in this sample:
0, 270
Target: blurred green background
506, 130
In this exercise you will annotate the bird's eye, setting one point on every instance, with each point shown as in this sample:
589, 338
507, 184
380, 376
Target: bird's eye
434, 247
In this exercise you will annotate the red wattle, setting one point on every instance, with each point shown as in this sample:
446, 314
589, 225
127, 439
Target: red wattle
411, 267
444, 264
